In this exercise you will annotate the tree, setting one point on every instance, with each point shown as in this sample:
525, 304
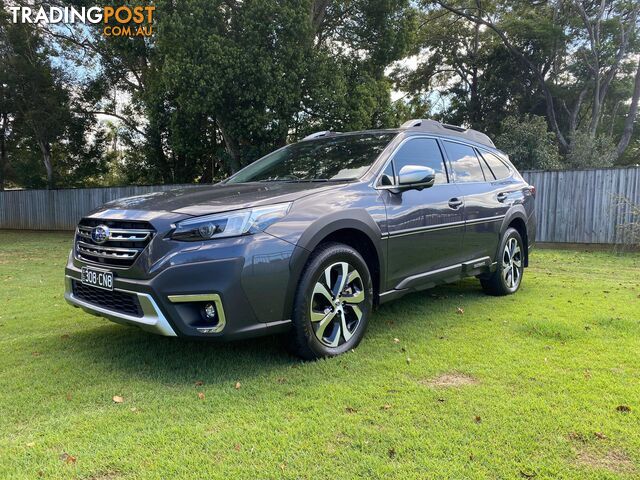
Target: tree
528, 143
5, 123
221, 83
45, 135
465, 75
39, 101
577, 50
7, 104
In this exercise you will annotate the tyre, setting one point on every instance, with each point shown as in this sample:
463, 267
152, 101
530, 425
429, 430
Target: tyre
332, 304
510, 259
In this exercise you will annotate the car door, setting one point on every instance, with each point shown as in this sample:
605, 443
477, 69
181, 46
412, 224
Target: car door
424, 227
484, 207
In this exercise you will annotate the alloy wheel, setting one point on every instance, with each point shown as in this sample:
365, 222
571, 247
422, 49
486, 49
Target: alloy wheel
512, 264
337, 304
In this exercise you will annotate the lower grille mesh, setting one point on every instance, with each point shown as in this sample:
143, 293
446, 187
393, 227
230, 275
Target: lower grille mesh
115, 301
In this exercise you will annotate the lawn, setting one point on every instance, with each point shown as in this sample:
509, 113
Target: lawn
448, 383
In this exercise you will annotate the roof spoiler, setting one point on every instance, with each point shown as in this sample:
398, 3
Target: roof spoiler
433, 126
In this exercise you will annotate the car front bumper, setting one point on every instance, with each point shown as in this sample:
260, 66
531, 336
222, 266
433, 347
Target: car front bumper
152, 320
246, 279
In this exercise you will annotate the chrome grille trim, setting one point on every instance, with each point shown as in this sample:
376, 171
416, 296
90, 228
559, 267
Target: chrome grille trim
84, 232
108, 252
118, 234
127, 239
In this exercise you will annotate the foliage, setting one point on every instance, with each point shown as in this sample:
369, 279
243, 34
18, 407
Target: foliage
629, 229
528, 143
220, 83
577, 53
590, 152
46, 141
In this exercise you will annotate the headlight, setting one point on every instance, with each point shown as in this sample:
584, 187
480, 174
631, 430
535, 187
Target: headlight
229, 224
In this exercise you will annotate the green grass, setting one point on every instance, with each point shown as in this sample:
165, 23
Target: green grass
545, 371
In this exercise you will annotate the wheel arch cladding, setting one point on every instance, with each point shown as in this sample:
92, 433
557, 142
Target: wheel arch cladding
363, 236
518, 221
360, 242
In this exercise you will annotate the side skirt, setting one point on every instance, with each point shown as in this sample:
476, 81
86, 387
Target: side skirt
432, 278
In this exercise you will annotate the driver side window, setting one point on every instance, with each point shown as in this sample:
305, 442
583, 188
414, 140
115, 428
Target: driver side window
420, 151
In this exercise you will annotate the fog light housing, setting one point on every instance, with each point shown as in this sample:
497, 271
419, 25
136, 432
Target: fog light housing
204, 312
209, 312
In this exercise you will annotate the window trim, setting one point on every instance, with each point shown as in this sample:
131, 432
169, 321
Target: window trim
376, 183
393, 173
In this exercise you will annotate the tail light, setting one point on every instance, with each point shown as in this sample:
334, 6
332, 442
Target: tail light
532, 189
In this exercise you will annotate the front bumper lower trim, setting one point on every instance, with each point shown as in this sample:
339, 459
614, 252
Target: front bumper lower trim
152, 319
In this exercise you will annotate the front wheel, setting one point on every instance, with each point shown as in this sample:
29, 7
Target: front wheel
332, 304
508, 275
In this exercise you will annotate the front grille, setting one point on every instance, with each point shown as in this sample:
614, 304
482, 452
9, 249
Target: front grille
125, 242
115, 301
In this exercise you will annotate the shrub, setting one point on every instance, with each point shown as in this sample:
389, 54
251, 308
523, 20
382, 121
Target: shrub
528, 143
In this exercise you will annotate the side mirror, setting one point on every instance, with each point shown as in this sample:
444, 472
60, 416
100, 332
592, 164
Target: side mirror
416, 177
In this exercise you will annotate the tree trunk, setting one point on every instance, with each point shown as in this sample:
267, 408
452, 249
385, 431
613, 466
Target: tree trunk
45, 148
232, 149
631, 116
318, 12
475, 116
3, 149
154, 139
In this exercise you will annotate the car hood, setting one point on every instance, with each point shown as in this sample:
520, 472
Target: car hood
202, 200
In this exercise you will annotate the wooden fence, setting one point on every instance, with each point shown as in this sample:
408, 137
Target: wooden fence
583, 206
59, 209
573, 206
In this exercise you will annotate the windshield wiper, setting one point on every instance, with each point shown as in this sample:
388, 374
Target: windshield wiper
314, 180
310, 180
267, 180
350, 179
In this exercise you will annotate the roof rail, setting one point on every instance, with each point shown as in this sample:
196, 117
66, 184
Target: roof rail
323, 133
434, 126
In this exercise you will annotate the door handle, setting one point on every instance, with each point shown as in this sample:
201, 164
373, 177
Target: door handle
455, 203
502, 196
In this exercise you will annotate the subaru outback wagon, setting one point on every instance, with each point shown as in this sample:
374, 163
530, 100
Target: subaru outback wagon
308, 239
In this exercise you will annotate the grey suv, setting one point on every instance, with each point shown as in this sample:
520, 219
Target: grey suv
306, 240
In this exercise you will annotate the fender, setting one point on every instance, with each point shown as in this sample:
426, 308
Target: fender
314, 234
516, 211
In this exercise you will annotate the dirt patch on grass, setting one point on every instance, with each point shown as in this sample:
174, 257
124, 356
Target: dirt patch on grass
451, 379
616, 460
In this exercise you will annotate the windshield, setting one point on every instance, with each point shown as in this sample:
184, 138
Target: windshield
326, 159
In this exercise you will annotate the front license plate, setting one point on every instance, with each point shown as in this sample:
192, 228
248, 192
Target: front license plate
97, 278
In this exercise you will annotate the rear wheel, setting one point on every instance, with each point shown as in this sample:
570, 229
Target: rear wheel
508, 275
332, 304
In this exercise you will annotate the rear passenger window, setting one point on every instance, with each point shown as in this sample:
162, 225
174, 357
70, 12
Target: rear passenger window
424, 152
464, 162
497, 166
